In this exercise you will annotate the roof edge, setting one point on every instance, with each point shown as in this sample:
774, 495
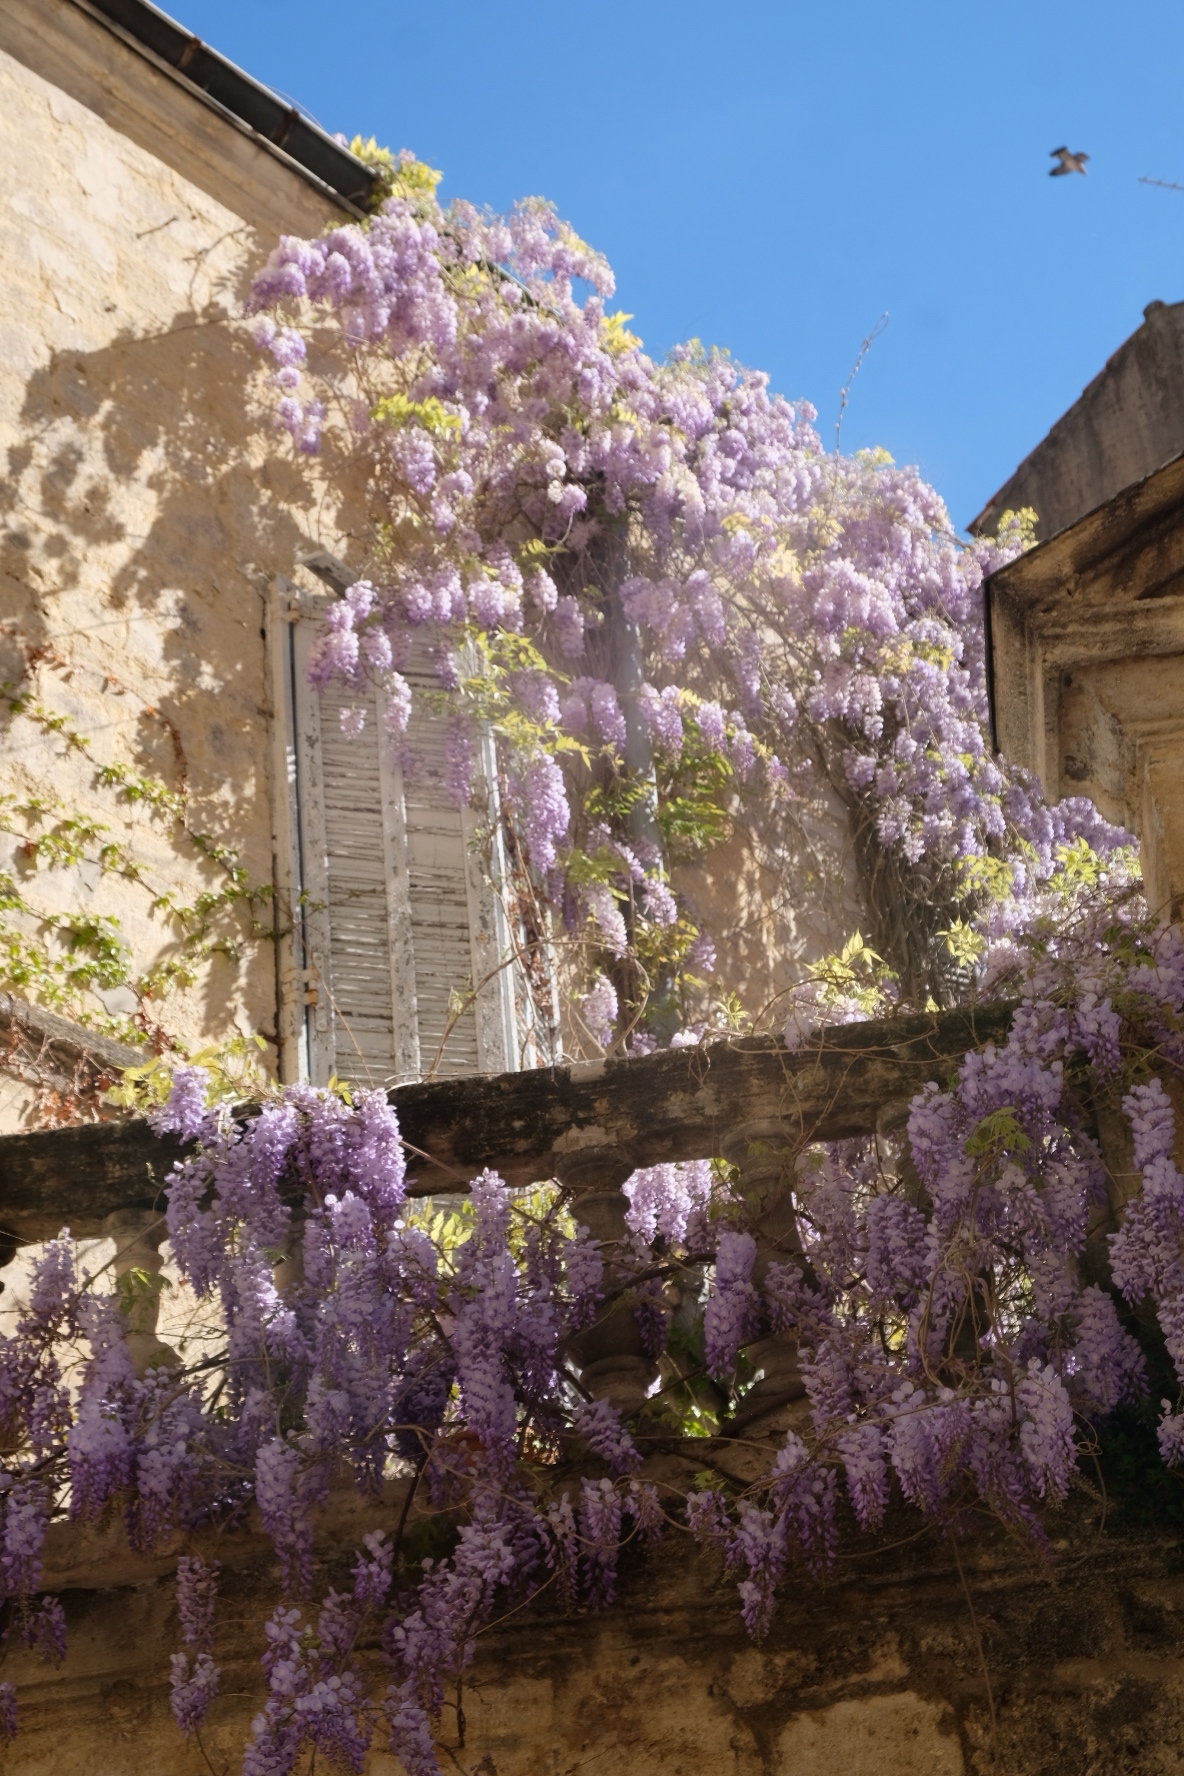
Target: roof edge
993, 509
256, 110
1139, 508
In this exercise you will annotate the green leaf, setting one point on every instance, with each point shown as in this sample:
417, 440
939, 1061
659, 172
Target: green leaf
430, 413
998, 1132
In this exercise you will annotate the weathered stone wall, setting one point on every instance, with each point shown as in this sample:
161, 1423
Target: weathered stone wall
143, 519
1128, 422
876, 1673
893, 1667
775, 896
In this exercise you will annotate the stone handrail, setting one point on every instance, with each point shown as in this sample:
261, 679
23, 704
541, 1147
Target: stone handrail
589, 1124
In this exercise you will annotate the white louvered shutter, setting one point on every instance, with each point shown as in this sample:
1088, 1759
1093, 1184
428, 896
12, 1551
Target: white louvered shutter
400, 923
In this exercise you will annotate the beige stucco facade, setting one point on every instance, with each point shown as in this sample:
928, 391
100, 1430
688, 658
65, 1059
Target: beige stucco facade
143, 519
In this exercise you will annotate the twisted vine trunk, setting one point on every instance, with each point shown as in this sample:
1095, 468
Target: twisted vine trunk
614, 654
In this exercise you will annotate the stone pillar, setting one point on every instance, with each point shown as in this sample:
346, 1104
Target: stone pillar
972, 1318
1162, 849
288, 1274
138, 1236
1123, 1183
10, 1245
763, 1156
609, 1353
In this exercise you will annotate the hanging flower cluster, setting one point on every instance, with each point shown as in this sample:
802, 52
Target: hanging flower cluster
960, 1332
658, 577
404, 1347
657, 588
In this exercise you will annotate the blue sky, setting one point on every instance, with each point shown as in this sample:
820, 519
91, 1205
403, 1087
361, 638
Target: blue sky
772, 176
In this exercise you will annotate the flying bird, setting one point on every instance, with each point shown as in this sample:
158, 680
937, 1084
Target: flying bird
1070, 163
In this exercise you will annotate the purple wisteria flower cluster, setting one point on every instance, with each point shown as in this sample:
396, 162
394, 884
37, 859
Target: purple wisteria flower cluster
360, 1343
959, 1322
805, 629
195, 1677
960, 1301
963, 1300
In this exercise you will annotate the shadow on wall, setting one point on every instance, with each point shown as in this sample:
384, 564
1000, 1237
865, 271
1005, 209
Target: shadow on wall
143, 520
775, 895
146, 515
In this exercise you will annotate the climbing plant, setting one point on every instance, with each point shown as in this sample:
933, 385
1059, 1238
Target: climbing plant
665, 597
967, 1304
669, 601
66, 955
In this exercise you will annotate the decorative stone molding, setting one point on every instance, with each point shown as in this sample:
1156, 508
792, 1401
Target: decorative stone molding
1086, 669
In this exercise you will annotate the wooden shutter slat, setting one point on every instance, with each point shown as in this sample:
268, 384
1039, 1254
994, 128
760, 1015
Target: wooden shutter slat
402, 917
363, 1008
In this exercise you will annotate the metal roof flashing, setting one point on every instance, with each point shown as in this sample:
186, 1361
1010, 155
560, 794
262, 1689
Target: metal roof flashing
280, 127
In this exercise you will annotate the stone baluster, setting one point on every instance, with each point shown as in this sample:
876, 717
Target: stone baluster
970, 1320
1123, 1184
763, 1157
10, 1245
138, 1235
609, 1354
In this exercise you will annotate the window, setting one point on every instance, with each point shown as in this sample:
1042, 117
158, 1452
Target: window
408, 948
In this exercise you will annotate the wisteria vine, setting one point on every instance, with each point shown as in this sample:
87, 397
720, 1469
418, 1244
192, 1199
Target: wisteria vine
672, 606
971, 1300
656, 588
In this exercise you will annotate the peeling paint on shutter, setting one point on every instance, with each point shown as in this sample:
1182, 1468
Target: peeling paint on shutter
407, 948
438, 890
362, 1019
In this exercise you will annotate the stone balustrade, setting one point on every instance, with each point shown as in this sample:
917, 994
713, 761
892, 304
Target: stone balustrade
753, 1101
884, 1669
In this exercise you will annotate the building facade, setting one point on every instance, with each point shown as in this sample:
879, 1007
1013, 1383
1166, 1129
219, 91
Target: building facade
190, 849
1086, 663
